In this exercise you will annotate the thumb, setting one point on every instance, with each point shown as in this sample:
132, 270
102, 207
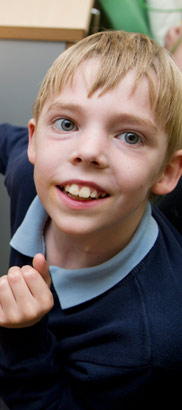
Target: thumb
41, 265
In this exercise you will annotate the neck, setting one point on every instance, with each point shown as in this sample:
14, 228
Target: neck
76, 252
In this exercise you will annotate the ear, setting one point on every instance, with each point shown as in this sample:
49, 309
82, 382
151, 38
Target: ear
170, 176
31, 141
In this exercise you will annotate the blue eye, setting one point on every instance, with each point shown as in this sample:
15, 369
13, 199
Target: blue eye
64, 124
130, 138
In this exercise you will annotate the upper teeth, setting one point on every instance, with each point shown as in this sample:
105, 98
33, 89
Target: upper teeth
83, 191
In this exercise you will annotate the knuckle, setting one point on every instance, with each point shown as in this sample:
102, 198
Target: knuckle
3, 283
14, 275
30, 275
28, 271
13, 269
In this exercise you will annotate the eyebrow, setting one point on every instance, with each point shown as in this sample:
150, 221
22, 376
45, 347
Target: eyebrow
131, 119
65, 106
138, 121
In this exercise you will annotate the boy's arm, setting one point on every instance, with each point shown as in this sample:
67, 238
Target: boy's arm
29, 371
11, 137
17, 170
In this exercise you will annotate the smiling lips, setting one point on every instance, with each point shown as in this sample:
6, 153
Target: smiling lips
82, 192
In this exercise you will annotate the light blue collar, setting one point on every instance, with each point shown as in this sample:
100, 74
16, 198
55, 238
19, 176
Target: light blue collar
76, 286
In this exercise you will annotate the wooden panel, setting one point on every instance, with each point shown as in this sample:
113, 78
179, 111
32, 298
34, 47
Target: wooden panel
50, 20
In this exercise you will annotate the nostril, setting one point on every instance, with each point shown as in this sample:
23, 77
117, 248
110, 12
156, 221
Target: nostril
94, 162
77, 160
89, 159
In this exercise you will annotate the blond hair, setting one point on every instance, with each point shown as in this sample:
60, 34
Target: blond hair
119, 52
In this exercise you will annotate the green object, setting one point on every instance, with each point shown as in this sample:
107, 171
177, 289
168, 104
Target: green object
127, 15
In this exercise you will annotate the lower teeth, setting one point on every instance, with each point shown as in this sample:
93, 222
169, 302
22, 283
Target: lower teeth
78, 197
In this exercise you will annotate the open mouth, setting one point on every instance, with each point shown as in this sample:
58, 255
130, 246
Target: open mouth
82, 192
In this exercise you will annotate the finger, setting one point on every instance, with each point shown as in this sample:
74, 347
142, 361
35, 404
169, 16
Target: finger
24, 297
38, 287
28, 287
41, 265
6, 295
5, 298
18, 286
32, 295
12, 288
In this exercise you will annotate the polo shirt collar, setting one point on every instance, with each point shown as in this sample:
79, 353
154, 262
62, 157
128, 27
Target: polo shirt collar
76, 286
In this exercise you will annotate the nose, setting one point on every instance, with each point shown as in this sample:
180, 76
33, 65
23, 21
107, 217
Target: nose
90, 150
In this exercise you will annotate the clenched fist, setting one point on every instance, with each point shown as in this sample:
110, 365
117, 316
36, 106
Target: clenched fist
25, 295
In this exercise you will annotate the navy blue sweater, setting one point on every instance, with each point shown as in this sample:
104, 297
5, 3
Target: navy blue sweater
171, 206
121, 350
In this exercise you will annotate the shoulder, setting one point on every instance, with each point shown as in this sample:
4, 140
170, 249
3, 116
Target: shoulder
18, 171
167, 226
165, 257
11, 136
171, 206
160, 282
12, 140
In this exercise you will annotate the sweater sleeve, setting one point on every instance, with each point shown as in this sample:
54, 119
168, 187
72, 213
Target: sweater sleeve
29, 369
170, 205
10, 137
17, 170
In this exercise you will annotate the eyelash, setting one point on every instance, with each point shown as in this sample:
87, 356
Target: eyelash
64, 120
58, 124
130, 133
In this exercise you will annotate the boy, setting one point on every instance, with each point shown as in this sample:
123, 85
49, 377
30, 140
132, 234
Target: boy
106, 134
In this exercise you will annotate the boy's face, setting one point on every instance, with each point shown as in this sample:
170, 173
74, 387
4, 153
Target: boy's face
96, 159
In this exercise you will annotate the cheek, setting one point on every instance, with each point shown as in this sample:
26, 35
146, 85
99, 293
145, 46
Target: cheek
136, 176
39, 180
45, 161
43, 177
43, 171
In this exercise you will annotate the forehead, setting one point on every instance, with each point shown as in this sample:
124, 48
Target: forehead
121, 95
91, 75
118, 107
